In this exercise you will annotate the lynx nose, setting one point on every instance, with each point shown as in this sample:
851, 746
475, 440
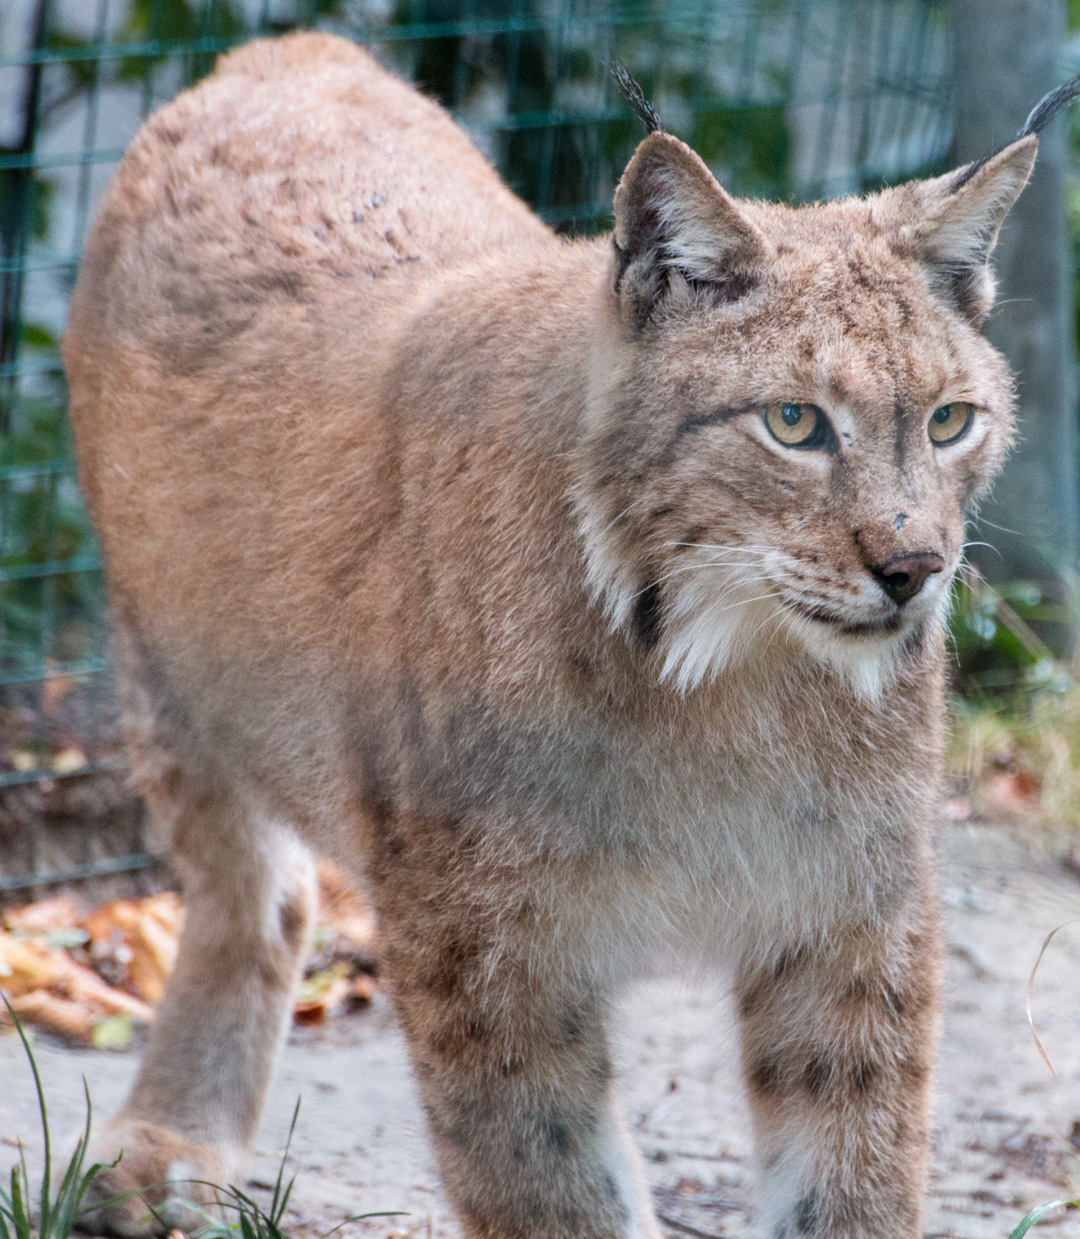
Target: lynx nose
903, 577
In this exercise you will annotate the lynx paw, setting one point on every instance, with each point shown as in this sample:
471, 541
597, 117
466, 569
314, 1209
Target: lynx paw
159, 1165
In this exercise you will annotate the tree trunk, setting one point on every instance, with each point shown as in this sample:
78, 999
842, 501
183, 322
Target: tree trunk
1006, 60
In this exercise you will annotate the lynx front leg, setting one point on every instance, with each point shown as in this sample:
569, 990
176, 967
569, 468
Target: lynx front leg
194, 1107
838, 1046
511, 1059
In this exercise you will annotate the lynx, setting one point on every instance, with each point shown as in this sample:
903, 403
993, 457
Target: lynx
584, 598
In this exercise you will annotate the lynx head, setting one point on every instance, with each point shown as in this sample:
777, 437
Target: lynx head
791, 411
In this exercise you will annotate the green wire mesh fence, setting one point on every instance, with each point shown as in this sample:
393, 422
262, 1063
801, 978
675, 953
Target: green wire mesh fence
783, 98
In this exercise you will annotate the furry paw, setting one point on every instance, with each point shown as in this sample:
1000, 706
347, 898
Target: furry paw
161, 1169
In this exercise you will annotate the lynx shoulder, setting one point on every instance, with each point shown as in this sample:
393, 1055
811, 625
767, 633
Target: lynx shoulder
585, 598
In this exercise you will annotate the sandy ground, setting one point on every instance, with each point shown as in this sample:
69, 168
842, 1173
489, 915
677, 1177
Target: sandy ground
1001, 1139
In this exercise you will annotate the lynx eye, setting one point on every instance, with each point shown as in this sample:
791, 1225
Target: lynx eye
796, 424
950, 422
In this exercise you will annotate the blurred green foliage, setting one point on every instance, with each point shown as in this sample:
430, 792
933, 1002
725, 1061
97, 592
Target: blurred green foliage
563, 165
996, 648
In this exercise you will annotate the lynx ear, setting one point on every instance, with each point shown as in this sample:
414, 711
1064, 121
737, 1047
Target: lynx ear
671, 216
959, 216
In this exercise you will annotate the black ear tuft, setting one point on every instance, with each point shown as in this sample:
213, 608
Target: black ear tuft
1048, 107
631, 91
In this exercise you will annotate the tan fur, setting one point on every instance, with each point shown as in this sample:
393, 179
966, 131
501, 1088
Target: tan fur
463, 553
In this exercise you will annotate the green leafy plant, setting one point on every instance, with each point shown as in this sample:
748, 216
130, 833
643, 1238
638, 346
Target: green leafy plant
252, 1221
56, 1215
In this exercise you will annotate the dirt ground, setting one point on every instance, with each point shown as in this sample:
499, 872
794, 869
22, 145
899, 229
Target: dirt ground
1002, 1134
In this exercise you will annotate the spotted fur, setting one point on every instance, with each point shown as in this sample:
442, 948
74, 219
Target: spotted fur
464, 553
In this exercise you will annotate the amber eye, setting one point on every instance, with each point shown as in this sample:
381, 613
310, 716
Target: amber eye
796, 424
950, 422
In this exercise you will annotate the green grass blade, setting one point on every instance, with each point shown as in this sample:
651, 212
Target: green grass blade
359, 1217
243, 1199
74, 1182
20, 1195
1038, 1214
278, 1204
284, 1202
18, 1209
43, 1220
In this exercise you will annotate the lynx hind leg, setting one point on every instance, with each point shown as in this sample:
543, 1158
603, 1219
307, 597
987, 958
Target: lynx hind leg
838, 1048
249, 896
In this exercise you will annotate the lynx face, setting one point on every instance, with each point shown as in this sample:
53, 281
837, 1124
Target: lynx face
795, 409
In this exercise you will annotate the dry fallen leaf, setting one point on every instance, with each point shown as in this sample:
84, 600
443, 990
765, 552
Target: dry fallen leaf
1014, 792
131, 947
48, 916
56, 1015
29, 965
134, 942
114, 1033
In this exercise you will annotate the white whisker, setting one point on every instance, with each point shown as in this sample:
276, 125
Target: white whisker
698, 568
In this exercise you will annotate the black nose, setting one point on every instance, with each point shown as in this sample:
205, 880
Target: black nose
903, 577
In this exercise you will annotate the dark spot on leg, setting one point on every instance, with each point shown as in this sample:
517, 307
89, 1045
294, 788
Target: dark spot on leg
767, 1078
573, 1026
447, 978
293, 922
458, 1134
557, 1135
789, 963
602, 1071
376, 795
864, 1075
818, 1074
858, 989
912, 1072
751, 997
806, 1215
894, 1002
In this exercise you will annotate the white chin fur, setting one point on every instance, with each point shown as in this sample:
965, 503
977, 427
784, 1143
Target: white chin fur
867, 664
708, 631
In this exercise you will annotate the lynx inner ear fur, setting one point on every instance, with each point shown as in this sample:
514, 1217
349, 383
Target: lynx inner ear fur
961, 215
673, 218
